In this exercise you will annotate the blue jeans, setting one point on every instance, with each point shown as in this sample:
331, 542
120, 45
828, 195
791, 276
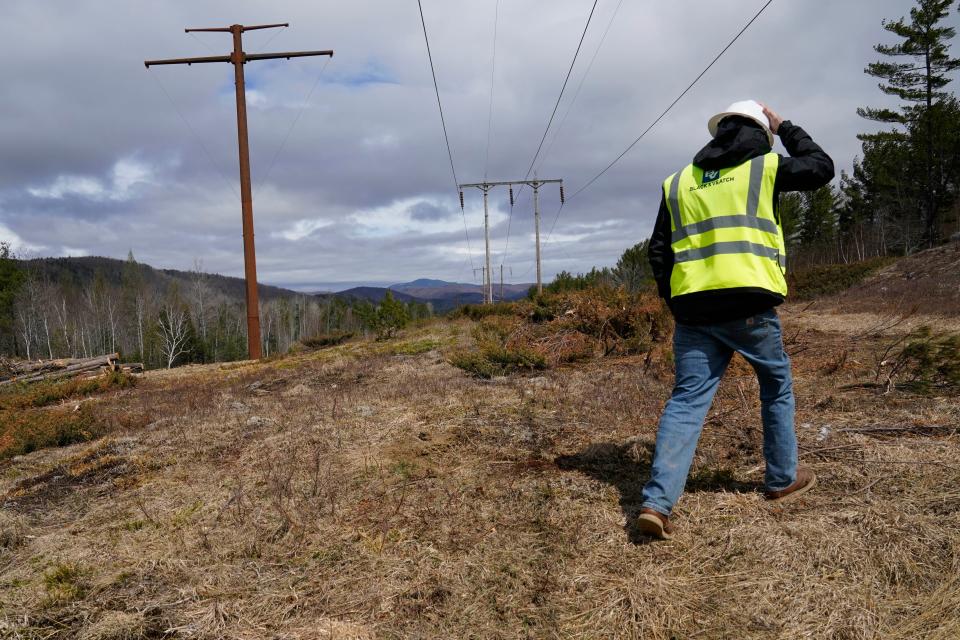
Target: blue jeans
701, 355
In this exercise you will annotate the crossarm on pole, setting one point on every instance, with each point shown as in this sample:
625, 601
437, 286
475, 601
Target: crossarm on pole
151, 63
287, 55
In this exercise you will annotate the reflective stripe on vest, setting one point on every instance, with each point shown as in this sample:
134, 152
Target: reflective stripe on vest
724, 232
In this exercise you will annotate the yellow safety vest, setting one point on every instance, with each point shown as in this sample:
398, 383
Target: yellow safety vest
724, 231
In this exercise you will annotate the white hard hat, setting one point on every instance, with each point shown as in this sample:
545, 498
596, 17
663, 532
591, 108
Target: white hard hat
746, 109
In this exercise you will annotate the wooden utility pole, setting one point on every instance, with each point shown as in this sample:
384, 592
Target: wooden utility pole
487, 274
238, 58
485, 187
536, 184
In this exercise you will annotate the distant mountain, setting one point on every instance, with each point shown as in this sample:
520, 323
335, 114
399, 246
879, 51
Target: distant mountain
451, 294
443, 296
420, 283
84, 270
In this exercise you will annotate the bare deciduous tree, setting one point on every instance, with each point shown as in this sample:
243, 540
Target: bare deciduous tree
173, 333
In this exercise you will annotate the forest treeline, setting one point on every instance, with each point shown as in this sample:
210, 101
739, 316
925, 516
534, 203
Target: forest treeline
82, 307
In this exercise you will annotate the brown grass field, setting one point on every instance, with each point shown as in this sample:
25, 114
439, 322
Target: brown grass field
372, 490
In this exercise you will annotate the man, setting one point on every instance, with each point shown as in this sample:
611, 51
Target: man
719, 259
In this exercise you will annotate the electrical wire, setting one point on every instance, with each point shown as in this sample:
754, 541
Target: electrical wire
674, 103
293, 125
562, 89
552, 116
576, 95
583, 78
661, 116
199, 140
446, 137
493, 71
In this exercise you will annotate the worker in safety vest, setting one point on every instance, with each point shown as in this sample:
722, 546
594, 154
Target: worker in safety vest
719, 258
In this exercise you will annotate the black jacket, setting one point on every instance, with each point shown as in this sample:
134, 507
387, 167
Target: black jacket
738, 140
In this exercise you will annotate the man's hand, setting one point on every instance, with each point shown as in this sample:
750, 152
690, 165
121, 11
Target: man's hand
773, 117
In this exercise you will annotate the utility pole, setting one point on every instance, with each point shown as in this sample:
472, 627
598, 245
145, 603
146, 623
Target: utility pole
485, 187
501, 281
536, 184
238, 58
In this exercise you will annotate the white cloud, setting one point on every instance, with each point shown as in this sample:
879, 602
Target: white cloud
65, 186
301, 229
125, 176
17, 244
397, 219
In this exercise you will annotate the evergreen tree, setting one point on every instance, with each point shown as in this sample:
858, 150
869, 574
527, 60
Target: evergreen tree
633, 271
790, 210
11, 279
918, 82
818, 221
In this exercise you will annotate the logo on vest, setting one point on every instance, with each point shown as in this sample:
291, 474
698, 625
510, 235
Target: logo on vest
710, 176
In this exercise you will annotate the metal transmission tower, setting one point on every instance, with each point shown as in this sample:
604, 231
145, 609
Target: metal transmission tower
238, 58
536, 183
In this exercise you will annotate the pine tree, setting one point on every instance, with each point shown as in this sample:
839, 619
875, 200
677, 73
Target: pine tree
919, 83
633, 271
818, 223
11, 279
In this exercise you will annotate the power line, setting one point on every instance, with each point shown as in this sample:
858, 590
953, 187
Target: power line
443, 123
293, 125
562, 89
199, 140
661, 116
674, 103
493, 71
552, 116
583, 78
576, 95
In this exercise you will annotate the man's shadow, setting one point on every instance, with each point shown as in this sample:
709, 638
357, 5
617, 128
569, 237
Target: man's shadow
626, 466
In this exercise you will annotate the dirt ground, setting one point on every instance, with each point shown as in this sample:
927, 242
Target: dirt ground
373, 490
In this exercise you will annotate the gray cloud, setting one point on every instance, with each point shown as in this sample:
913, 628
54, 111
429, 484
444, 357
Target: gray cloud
97, 159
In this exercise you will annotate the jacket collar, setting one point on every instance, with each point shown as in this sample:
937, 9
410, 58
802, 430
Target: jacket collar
738, 140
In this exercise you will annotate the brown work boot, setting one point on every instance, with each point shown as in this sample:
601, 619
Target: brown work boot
806, 480
654, 524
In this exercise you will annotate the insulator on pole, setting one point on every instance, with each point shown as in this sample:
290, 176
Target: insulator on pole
562, 198
461, 201
511, 195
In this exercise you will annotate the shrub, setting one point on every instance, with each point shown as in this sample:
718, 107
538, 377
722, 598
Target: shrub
42, 394
928, 361
386, 319
414, 347
23, 432
28, 422
64, 583
565, 327
480, 311
827, 279
326, 340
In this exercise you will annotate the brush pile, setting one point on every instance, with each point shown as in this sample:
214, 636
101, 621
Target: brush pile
562, 328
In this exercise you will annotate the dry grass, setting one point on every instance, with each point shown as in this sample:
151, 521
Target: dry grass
375, 491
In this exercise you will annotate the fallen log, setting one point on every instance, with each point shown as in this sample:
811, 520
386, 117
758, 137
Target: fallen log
19, 369
74, 368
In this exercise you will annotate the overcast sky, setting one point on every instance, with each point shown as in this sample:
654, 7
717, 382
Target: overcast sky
98, 160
